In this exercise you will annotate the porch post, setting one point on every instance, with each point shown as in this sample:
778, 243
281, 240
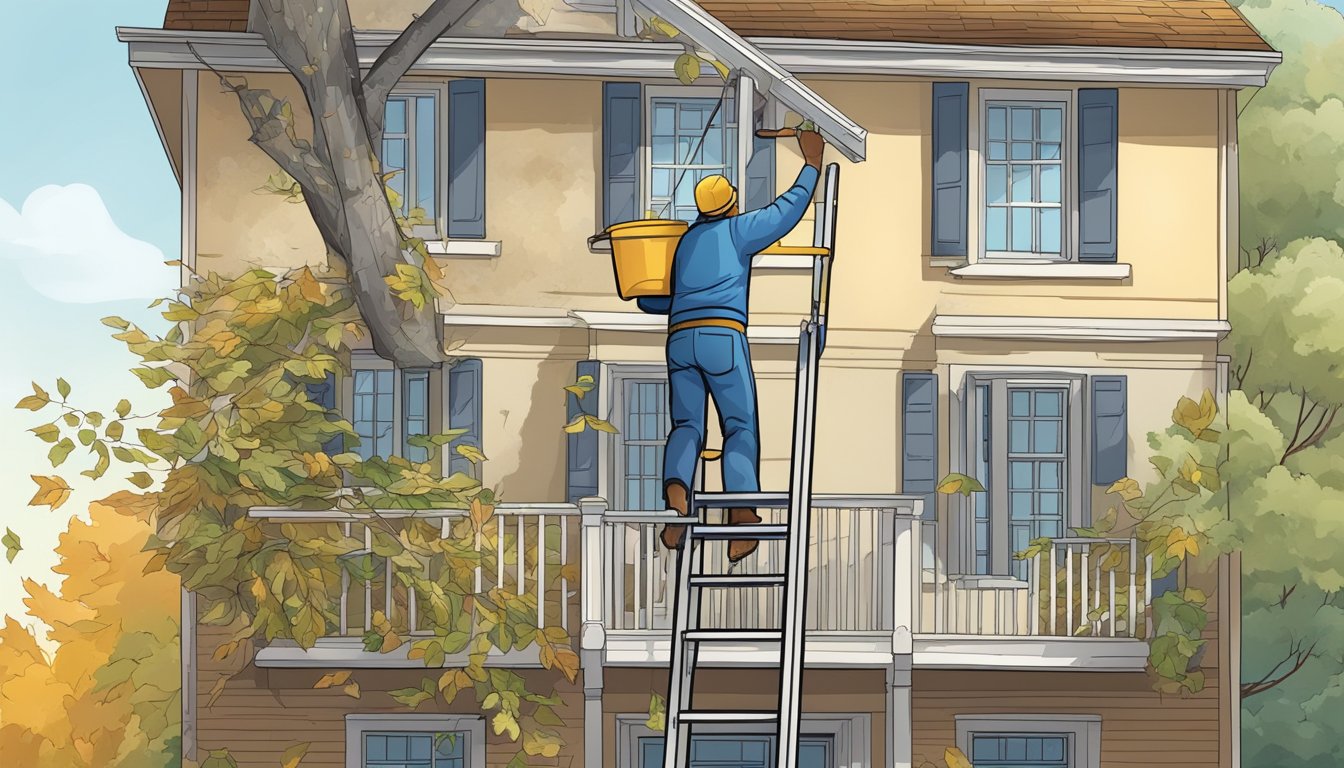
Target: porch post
592, 635
904, 611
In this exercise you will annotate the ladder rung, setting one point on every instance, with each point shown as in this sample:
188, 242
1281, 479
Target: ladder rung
744, 580
740, 532
718, 716
735, 636
715, 500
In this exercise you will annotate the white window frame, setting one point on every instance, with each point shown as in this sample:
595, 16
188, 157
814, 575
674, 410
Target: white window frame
1084, 732
365, 360
1068, 240
850, 734
611, 464
437, 228
728, 112
357, 725
1077, 494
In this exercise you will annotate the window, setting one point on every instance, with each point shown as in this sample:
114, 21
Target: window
1023, 151
643, 435
415, 750
1024, 445
1030, 741
999, 750
712, 751
414, 741
410, 144
388, 407
678, 156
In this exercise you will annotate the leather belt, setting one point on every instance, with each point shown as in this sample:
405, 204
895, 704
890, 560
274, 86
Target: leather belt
708, 322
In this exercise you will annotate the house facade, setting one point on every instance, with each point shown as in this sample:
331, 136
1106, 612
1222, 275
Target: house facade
1030, 270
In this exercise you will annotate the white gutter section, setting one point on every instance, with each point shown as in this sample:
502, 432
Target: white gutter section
692, 21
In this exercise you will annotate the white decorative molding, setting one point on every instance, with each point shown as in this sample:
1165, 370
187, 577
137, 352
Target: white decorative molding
1084, 748
348, 652
472, 726
504, 316
469, 249
783, 261
637, 648
1086, 654
642, 322
1060, 271
245, 52
1078, 328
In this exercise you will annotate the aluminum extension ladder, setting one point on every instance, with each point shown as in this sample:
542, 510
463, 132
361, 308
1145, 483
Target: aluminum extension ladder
687, 634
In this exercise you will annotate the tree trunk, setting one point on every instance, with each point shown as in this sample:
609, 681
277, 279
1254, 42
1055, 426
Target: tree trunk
340, 172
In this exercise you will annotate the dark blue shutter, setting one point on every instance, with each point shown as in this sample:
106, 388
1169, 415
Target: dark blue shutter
950, 168
466, 158
1098, 144
581, 448
464, 411
1169, 583
760, 187
919, 436
1110, 429
324, 394
621, 134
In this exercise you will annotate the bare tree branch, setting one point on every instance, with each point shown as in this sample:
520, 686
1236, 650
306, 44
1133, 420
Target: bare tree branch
1323, 425
1296, 655
398, 58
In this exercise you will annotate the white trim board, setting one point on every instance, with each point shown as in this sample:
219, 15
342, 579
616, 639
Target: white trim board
834, 650
1078, 328
246, 52
1091, 654
348, 652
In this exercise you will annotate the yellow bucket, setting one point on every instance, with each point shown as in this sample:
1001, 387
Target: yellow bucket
641, 255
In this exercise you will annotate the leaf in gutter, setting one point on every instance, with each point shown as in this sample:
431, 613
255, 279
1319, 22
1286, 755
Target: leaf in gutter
687, 68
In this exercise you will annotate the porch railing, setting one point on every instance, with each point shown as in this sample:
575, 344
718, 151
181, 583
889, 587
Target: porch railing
852, 582
1076, 587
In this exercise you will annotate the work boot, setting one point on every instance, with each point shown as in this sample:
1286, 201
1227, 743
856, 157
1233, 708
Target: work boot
676, 499
739, 550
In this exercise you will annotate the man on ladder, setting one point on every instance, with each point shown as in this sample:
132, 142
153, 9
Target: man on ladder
707, 350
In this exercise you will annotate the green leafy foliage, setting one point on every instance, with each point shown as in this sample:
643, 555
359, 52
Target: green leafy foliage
13, 546
241, 433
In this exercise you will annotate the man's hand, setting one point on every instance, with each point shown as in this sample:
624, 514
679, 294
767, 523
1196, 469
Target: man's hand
812, 146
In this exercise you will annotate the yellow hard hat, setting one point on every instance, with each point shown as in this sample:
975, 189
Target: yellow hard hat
714, 195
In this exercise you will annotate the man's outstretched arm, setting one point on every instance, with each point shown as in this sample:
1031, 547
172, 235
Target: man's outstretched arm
757, 229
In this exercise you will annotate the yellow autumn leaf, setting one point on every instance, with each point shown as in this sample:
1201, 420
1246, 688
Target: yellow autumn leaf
291, 757
686, 68
1128, 488
955, 758
309, 287
542, 744
577, 425
217, 689
51, 492
472, 453
332, 679
599, 424
663, 28
351, 690
950, 486
505, 722
1195, 417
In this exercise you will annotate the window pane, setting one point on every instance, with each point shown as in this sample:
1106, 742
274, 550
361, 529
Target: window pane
394, 120
1022, 123
1022, 150
1047, 437
996, 184
415, 405
692, 118
1021, 474
426, 176
1052, 124
1047, 151
1021, 230
1019, 440
1049, 403
664, 118
1021, 405
1022, 184
1049, 507
662, 182
664, 149
1049, 184
1050, 476
1050, 230
998, 150
1021, 506
998, 124
996, 229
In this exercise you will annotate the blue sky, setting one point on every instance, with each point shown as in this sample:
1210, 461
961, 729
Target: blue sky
89, 209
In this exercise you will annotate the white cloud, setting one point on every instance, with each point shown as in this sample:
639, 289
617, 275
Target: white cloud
68, 249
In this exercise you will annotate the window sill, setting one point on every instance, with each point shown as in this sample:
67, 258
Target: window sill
1055, 271
464, 249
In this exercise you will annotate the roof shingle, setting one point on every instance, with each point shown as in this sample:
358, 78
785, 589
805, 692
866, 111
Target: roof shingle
1112, 23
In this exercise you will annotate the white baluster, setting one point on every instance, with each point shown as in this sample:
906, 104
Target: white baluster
1068, 589
541, 571
1133, 587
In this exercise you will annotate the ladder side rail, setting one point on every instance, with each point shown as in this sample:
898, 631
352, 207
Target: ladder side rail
686, 604
795, 594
